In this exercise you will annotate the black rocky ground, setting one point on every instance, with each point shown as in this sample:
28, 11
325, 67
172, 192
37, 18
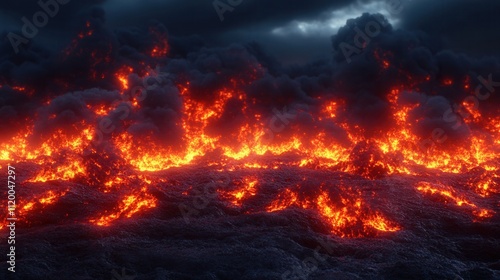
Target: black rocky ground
218, 241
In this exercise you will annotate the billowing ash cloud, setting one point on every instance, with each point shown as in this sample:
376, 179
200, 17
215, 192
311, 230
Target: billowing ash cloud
441, 78
370, 60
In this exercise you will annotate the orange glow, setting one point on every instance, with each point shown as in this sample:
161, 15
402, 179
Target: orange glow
49, 199
41, 201
63, 172
381, 224
485, 184
344, 218
284, 200
122, 76
130, 205
396, 151
161, 47
483, 213
448, 82
472, 109
448, 194
246, 189
124, 81
331, 109
101, 110
232, 131
444, 191
28, 206
343, 213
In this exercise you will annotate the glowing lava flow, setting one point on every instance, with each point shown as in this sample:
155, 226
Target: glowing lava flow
130, 205
397, 152
38, 203
347, 214
448, 194
246, 189
232, 130
285, 199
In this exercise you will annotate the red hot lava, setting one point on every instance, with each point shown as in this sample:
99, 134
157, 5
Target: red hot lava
231, 133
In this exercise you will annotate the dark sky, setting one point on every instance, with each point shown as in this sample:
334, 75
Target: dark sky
292, 30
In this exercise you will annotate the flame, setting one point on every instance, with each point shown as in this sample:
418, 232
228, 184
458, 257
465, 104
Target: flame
285, 200
256, 139
445, 191
381, 224
485, 184
448, 194
100, 110
41, 201
347, 216
65, 172
344, 218
122, 76
129, 206
247, 189
330, 109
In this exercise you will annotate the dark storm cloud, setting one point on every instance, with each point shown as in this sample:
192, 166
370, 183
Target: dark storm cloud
58, 28
252, 20
17, 9
462, 25
200, 17
249, 21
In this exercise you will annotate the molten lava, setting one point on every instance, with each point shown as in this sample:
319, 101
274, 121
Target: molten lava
232, 133
130, 205
346, 214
